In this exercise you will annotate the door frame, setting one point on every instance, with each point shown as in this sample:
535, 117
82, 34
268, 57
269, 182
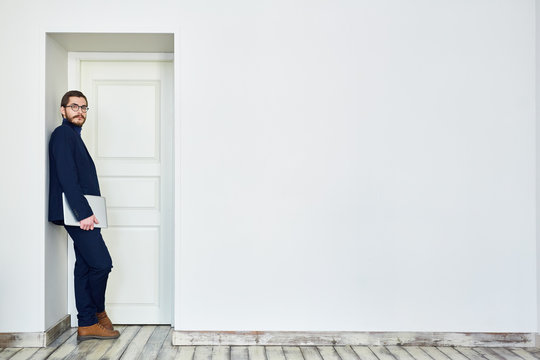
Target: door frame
74, 82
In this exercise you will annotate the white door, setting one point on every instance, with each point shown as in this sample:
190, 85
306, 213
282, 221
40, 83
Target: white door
129, 133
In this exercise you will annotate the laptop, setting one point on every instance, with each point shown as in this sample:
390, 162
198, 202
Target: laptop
98, 206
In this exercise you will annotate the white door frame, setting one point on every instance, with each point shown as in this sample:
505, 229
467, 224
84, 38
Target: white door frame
74, 71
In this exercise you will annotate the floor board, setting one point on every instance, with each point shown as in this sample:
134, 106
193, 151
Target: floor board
274, 353
310, 353
203, 353
136, 346
293, 353
417, 353
185, 353
346, 353
120, 344
469, 353
364, 353
254, 353
239, 353
452, 353
506, 354
399, 353
65, 349
524, 354
8, 353
382, 353
24, 354
328, 353
435, 353
168, 351
155, 342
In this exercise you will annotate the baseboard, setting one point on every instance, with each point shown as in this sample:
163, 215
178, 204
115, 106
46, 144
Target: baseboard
35, 339
293, 338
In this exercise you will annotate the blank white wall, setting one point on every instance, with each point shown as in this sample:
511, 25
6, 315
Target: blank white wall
358, 165
537, 13
22, 187
55, 236
353, 165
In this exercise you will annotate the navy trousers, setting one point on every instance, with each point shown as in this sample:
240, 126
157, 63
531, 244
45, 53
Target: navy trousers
92, 267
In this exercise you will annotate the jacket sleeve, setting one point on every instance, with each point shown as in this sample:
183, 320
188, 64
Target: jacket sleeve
63, 150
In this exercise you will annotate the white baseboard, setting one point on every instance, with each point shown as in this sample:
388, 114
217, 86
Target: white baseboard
293, 338
35, 339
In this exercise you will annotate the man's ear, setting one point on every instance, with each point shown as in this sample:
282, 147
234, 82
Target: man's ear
63, 111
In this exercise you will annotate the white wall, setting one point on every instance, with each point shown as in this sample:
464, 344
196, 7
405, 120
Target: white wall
358, 166
349, 165
22, 146
55, 236
537, 13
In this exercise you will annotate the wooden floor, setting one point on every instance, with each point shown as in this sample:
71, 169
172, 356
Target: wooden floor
154, 342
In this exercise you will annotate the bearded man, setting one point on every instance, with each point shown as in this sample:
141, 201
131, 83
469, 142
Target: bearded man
73, 173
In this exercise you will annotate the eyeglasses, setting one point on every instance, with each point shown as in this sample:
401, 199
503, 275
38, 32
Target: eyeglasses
76, 107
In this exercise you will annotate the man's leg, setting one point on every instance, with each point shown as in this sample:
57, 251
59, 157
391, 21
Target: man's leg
92, 267
98, 276
98, 284
85, 305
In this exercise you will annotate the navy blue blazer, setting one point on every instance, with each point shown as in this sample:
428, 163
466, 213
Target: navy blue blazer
72, 171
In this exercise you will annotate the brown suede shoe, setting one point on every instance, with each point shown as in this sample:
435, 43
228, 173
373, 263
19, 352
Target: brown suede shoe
96, 331
104, 320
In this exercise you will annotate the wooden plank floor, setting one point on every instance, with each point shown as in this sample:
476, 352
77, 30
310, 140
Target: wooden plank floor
154, 342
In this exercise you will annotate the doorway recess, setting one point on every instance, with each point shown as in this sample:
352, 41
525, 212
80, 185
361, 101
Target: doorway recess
58, 46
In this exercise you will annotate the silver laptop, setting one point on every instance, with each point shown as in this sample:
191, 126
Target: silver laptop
98, 206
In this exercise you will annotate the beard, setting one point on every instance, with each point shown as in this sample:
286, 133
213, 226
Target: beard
76, 119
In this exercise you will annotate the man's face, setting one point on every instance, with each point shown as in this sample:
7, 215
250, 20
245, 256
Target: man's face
75, 117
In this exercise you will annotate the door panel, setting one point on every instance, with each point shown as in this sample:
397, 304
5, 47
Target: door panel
139, 118
129, 135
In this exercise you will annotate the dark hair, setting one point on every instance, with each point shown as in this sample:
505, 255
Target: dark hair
75, 93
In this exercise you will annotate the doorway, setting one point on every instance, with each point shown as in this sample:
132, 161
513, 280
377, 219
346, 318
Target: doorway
132, 144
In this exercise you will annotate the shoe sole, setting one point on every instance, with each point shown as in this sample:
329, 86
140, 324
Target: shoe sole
89, 337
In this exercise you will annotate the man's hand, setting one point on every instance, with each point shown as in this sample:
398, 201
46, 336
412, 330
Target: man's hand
88, 223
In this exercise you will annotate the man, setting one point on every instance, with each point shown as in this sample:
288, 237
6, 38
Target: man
73, 172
